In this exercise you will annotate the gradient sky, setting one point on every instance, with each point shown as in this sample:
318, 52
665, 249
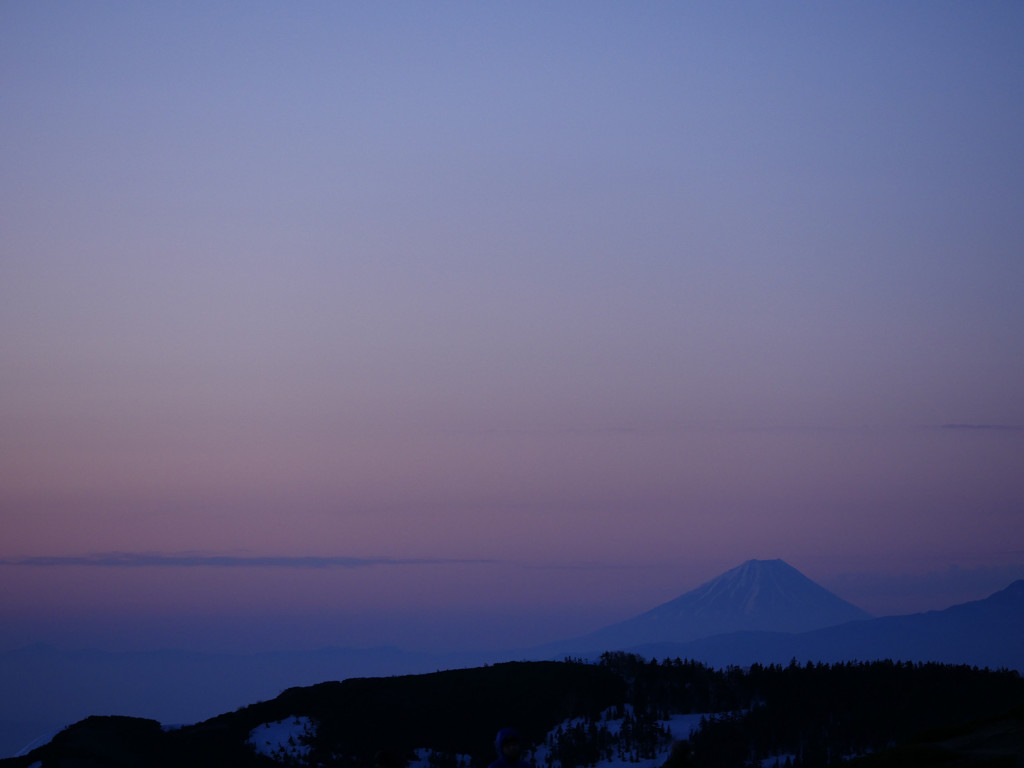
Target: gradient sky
501, 321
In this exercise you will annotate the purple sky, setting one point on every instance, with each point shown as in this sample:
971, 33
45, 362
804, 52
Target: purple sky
525, 316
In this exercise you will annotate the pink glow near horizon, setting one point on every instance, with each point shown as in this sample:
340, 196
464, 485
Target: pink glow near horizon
611, 299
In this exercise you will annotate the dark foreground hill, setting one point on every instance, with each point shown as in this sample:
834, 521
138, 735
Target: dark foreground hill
576, 714
453, 711
991, 742
60, 686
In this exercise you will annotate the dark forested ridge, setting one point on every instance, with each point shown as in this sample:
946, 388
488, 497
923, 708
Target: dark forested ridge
578, 714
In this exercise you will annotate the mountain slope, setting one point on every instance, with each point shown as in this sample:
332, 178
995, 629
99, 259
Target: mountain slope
455, 712
984, 633
621, 713
759, 595
56, 687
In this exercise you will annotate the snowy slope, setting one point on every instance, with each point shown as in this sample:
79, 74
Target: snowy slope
285, 742
679, 726
759, 595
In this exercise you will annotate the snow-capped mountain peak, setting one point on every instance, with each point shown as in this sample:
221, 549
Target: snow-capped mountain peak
759, 595
762, 590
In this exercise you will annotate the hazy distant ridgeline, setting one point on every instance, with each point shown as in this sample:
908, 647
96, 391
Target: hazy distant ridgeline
985, 633
768, 612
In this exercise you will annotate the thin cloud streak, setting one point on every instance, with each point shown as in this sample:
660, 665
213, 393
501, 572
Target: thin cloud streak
982, 427
143, 560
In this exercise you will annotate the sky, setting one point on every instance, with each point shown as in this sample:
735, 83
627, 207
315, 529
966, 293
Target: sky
485, 324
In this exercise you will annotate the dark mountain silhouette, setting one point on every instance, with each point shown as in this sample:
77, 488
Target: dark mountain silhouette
455, 712
58, 686
985, 743
759, 595
985, 633
576, 715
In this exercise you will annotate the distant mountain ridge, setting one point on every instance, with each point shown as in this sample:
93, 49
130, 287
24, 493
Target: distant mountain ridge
766, 611
983, 633
759, 595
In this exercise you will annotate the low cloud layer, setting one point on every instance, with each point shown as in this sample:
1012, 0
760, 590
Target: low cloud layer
154, 560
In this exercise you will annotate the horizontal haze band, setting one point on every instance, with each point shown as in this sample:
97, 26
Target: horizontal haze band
135, 560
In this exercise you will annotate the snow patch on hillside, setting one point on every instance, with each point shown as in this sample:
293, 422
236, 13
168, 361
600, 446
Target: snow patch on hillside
680, 727
283, 739
427, 758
